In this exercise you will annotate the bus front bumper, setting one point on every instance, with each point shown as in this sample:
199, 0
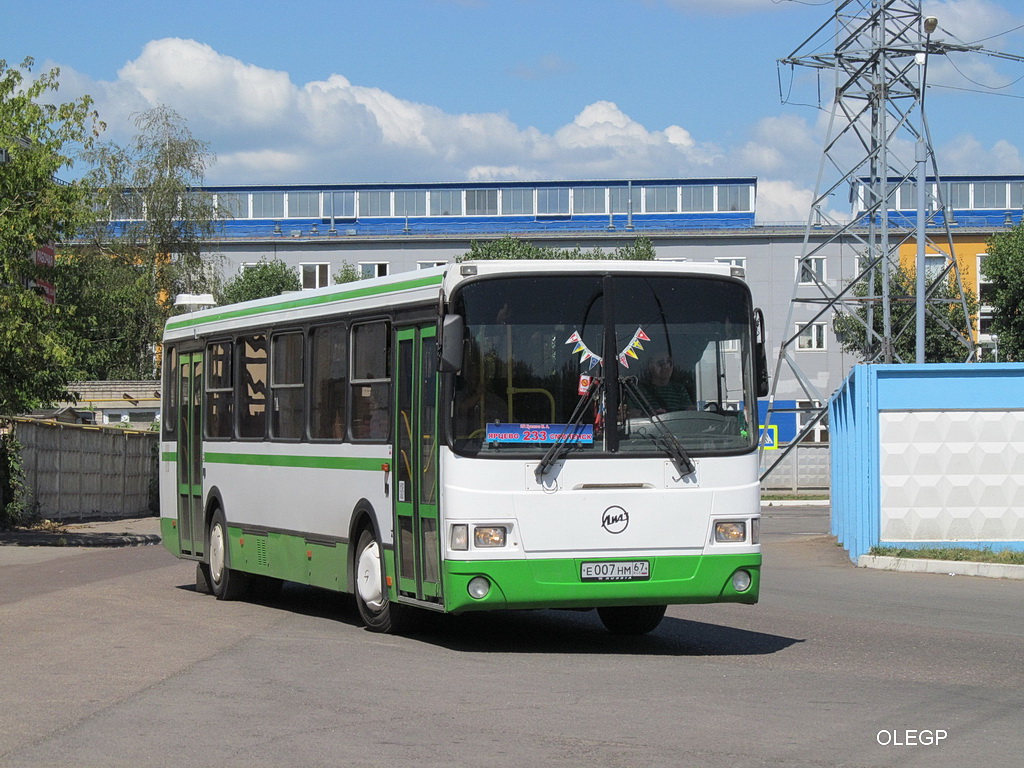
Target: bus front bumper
559, 583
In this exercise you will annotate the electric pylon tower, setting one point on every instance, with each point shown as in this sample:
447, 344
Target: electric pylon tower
877, 146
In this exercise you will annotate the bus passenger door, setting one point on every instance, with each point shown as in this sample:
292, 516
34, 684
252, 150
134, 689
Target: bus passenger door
190, 453
417, 549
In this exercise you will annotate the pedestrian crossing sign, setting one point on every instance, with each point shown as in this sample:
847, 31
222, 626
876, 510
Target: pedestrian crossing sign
769, 437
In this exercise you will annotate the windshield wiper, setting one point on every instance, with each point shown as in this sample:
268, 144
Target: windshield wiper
568, 439
665, 440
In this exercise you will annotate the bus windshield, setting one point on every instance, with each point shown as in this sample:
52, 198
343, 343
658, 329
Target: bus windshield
536, 367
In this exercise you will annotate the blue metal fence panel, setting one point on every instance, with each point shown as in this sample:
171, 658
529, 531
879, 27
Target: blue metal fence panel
854, 416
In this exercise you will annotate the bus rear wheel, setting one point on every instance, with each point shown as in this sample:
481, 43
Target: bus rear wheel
376, 611
631, 619
225, 583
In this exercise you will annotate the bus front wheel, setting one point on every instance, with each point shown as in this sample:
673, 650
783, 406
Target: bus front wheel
375, 609
225, 583
631, 619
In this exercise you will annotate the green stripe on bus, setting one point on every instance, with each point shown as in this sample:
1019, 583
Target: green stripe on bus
311, 301
169, 456
308, 462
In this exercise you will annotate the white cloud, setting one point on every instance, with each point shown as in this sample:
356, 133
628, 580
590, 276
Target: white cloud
266, 129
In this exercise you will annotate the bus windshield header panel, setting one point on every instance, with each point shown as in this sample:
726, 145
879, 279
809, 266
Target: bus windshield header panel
536, 370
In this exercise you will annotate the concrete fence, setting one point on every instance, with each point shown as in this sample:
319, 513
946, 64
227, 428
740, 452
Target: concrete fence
929, 456
78, 472
806, 469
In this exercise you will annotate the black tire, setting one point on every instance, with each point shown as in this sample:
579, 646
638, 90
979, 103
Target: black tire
376, 611
226, 584
632, 619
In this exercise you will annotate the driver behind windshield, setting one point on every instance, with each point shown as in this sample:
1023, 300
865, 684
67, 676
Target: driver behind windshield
665, 388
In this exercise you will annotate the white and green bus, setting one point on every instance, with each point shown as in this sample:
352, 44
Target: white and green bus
474, 437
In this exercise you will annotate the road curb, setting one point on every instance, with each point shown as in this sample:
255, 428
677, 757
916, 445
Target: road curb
947, 567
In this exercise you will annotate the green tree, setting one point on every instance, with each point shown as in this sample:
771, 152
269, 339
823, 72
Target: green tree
1003, 267
39, 139
945, 312
112, 312
267, 278
509, 247
347, 274
145, 247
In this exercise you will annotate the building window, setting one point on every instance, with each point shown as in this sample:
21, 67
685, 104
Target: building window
698, 199
369, 269
1017, 194
517, 202
430, 264
907, 196
734, 197
446, 202
933, 266
812, 270
553, 202
733, 261
957, 194
589, 200
481, 202
806, 411
127, 205
303, 205
232, 205
315, 275
661, 199
989, 194
340, 205
619, 199
811, 336
375, 202
268, 205
986, 299
411, 202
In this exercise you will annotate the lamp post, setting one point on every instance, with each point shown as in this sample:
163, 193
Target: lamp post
929, 23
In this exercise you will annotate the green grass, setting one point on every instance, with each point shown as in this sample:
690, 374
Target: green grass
960, 554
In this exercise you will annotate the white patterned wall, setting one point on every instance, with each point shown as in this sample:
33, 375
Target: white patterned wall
952, 475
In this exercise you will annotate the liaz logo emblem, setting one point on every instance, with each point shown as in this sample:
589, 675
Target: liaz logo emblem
615, 519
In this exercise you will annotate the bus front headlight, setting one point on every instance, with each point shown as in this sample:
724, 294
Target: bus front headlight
489, 536
460, 537
733, 532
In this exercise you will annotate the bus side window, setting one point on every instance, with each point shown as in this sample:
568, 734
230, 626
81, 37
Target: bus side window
219, 389
328, 379
252, 411
169, 415
287, 417
371, 381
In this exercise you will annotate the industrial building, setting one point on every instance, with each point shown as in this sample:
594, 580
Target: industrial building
381, 229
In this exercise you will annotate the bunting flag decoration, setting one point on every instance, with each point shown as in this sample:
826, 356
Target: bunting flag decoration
628, 352
634, 344
583, 350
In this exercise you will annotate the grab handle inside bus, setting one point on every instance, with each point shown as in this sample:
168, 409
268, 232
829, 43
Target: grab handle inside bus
453, 333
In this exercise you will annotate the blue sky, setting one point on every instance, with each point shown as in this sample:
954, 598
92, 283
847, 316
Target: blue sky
312, 91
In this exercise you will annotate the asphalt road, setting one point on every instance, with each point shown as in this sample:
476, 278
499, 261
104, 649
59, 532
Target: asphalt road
109, 657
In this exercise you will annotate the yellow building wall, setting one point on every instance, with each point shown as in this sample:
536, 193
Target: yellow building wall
966, 249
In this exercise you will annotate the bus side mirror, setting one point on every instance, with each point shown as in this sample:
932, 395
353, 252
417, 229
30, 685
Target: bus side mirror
453, 332
761, 360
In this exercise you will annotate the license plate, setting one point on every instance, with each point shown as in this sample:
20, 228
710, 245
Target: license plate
630, 570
